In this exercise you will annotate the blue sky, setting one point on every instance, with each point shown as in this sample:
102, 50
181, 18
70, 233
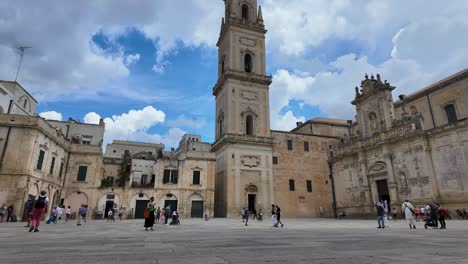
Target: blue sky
148, 69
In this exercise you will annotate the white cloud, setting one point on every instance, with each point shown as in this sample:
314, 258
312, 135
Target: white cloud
51, 115
92, 118
135, 126
183, 121
285, 122
64, 61
131, 59
422, 53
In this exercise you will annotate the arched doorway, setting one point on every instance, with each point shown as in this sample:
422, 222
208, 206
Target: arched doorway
196, 202
107, 202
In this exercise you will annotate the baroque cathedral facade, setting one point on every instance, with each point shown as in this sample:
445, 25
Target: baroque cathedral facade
414, 148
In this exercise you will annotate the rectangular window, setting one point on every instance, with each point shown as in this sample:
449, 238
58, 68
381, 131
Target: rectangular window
170, 176
306, 146
292, 187
40, 160
167, 176
290, 144
52, 164
144, 178
275, 160
309, 186
153, 178
61, 170
196, 178
82, 171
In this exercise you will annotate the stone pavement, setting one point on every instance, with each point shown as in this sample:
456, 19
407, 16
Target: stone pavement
228, 241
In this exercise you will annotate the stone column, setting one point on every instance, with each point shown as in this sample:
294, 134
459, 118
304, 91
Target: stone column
392, 185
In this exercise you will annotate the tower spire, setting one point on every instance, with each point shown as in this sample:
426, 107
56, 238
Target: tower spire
260, 15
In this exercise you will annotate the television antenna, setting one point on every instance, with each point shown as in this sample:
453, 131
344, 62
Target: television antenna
20, 51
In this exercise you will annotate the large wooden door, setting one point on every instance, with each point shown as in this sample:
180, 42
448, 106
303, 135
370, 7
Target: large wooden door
140, 207
197, 209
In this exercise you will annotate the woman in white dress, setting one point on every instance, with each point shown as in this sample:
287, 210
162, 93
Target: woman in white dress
407, 207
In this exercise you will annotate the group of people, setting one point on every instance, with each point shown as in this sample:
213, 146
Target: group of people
157, 215
112, 212
9, 211
431, 214
275, 215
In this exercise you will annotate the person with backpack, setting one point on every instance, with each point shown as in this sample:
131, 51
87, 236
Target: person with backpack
39, 209
408, 209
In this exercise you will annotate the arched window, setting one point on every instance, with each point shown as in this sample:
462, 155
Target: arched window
451, 113
248, 63
249, 125
245, 12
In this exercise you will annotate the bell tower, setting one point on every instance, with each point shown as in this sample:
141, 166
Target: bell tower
243, 144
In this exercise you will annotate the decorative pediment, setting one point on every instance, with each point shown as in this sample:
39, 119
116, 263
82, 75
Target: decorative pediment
251, 188
250, 161
44, 146
196, 168
249, 111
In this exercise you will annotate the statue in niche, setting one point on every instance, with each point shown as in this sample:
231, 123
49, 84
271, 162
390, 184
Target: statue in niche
373, 121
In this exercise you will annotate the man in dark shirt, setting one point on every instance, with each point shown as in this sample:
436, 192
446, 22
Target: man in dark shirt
380, 215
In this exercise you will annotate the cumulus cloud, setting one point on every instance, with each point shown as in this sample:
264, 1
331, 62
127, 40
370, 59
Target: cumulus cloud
135, 125
423, 51
51, 115
286, 121
65, 61
92, 118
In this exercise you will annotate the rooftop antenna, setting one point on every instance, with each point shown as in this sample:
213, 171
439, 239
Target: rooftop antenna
21, 50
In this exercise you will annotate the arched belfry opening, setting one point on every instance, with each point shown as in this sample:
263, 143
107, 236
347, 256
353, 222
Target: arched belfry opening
245, 12
248, 63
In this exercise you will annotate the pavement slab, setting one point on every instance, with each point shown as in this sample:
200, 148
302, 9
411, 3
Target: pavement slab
229, 241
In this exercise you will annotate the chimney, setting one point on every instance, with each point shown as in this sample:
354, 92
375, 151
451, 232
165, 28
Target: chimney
298, 124
402, 97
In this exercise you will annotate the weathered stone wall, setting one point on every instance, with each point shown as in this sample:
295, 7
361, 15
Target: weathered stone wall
300, 165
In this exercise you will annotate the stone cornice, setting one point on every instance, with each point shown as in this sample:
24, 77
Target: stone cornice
240, 24
241, 139
241, 76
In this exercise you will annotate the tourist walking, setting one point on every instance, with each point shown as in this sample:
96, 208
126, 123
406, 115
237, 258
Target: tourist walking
28, 210
260, 215
2, 212
68, 214
149, 215
380, 214
110, 213
254, 212
431, 211
120, 213
167, 214
158, 215
82, 212
39, 209
443, 214
10, 210
59, 211
163, 215
278, 216
246, 216
273, 214
408, 209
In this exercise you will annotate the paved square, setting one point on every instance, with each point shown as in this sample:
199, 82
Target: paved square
228, 241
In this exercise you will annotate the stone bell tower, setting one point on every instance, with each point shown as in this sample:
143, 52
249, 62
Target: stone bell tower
243, 144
